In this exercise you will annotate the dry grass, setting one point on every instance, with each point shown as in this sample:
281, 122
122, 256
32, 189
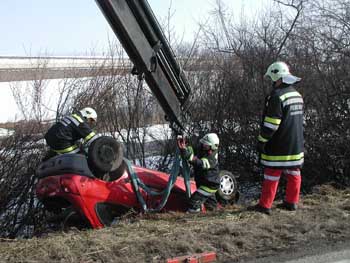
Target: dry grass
234, 233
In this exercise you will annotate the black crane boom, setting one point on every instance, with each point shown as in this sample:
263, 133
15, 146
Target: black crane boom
139, 32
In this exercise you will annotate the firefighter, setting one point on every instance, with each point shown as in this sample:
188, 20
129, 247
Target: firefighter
63, 136
206, 171
281, 140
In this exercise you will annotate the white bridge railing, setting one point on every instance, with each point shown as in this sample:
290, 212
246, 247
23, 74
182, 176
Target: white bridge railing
14, 68
31, 68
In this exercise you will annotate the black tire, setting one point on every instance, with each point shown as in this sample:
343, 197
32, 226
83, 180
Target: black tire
116, 174
66, 218
228, 192
105, 155
72, 219
108, 214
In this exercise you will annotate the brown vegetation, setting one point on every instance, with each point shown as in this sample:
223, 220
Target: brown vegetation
228, 94
234, 234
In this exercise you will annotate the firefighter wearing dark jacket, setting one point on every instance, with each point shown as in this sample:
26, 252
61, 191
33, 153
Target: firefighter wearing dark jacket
206, 171
281, 140
63, 136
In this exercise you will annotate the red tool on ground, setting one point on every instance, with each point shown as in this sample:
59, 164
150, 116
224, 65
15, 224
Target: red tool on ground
205, 257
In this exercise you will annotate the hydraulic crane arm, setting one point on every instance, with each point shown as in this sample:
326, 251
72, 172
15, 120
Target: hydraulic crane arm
139, 32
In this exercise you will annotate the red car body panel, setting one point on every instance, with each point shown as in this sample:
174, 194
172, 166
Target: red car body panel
84, 193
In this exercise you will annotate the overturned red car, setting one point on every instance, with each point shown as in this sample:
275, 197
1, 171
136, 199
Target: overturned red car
95, 190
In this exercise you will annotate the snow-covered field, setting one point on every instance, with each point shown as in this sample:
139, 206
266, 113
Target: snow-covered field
9, 111
5, 132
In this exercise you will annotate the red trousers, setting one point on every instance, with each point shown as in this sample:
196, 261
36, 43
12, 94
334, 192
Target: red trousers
270, 184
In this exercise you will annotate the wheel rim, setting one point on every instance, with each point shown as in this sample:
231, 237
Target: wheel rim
106, 153
227, 185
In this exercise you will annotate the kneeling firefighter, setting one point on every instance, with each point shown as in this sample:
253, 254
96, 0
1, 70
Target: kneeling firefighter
63, 136
206, 171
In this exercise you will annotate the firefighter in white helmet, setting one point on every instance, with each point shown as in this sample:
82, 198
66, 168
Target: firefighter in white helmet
281, 140
62, 137
206, 171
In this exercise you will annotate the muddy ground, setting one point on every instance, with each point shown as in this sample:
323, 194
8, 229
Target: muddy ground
235, 234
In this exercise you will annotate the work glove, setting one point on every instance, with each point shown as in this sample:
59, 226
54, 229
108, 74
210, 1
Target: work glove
261, 147
187, 153
181, 143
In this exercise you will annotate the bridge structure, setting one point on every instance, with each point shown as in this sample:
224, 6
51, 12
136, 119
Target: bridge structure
32, 68
15, 68
26, 69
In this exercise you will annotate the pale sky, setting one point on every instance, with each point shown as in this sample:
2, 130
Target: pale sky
77, 28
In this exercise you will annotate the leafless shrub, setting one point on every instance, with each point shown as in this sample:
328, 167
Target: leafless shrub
19, 156
312, 37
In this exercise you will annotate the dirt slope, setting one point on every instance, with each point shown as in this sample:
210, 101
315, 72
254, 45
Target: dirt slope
235, 234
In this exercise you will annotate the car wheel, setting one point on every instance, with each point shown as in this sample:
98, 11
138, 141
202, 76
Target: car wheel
108, 214
65, 218
105, 154
116, 174
71, 218
228, 191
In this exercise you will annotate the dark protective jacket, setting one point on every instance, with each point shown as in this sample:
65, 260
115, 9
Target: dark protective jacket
63, 135
281, 131
206, 168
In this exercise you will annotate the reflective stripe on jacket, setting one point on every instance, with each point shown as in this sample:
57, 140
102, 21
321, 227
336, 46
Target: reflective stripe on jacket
282, 129
62, 136
206, 170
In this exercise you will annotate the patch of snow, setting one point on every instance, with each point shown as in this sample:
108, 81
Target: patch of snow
159, 132
5, 132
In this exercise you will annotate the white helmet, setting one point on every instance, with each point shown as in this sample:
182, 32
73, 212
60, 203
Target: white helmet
89, 113
211, 140
279, 70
